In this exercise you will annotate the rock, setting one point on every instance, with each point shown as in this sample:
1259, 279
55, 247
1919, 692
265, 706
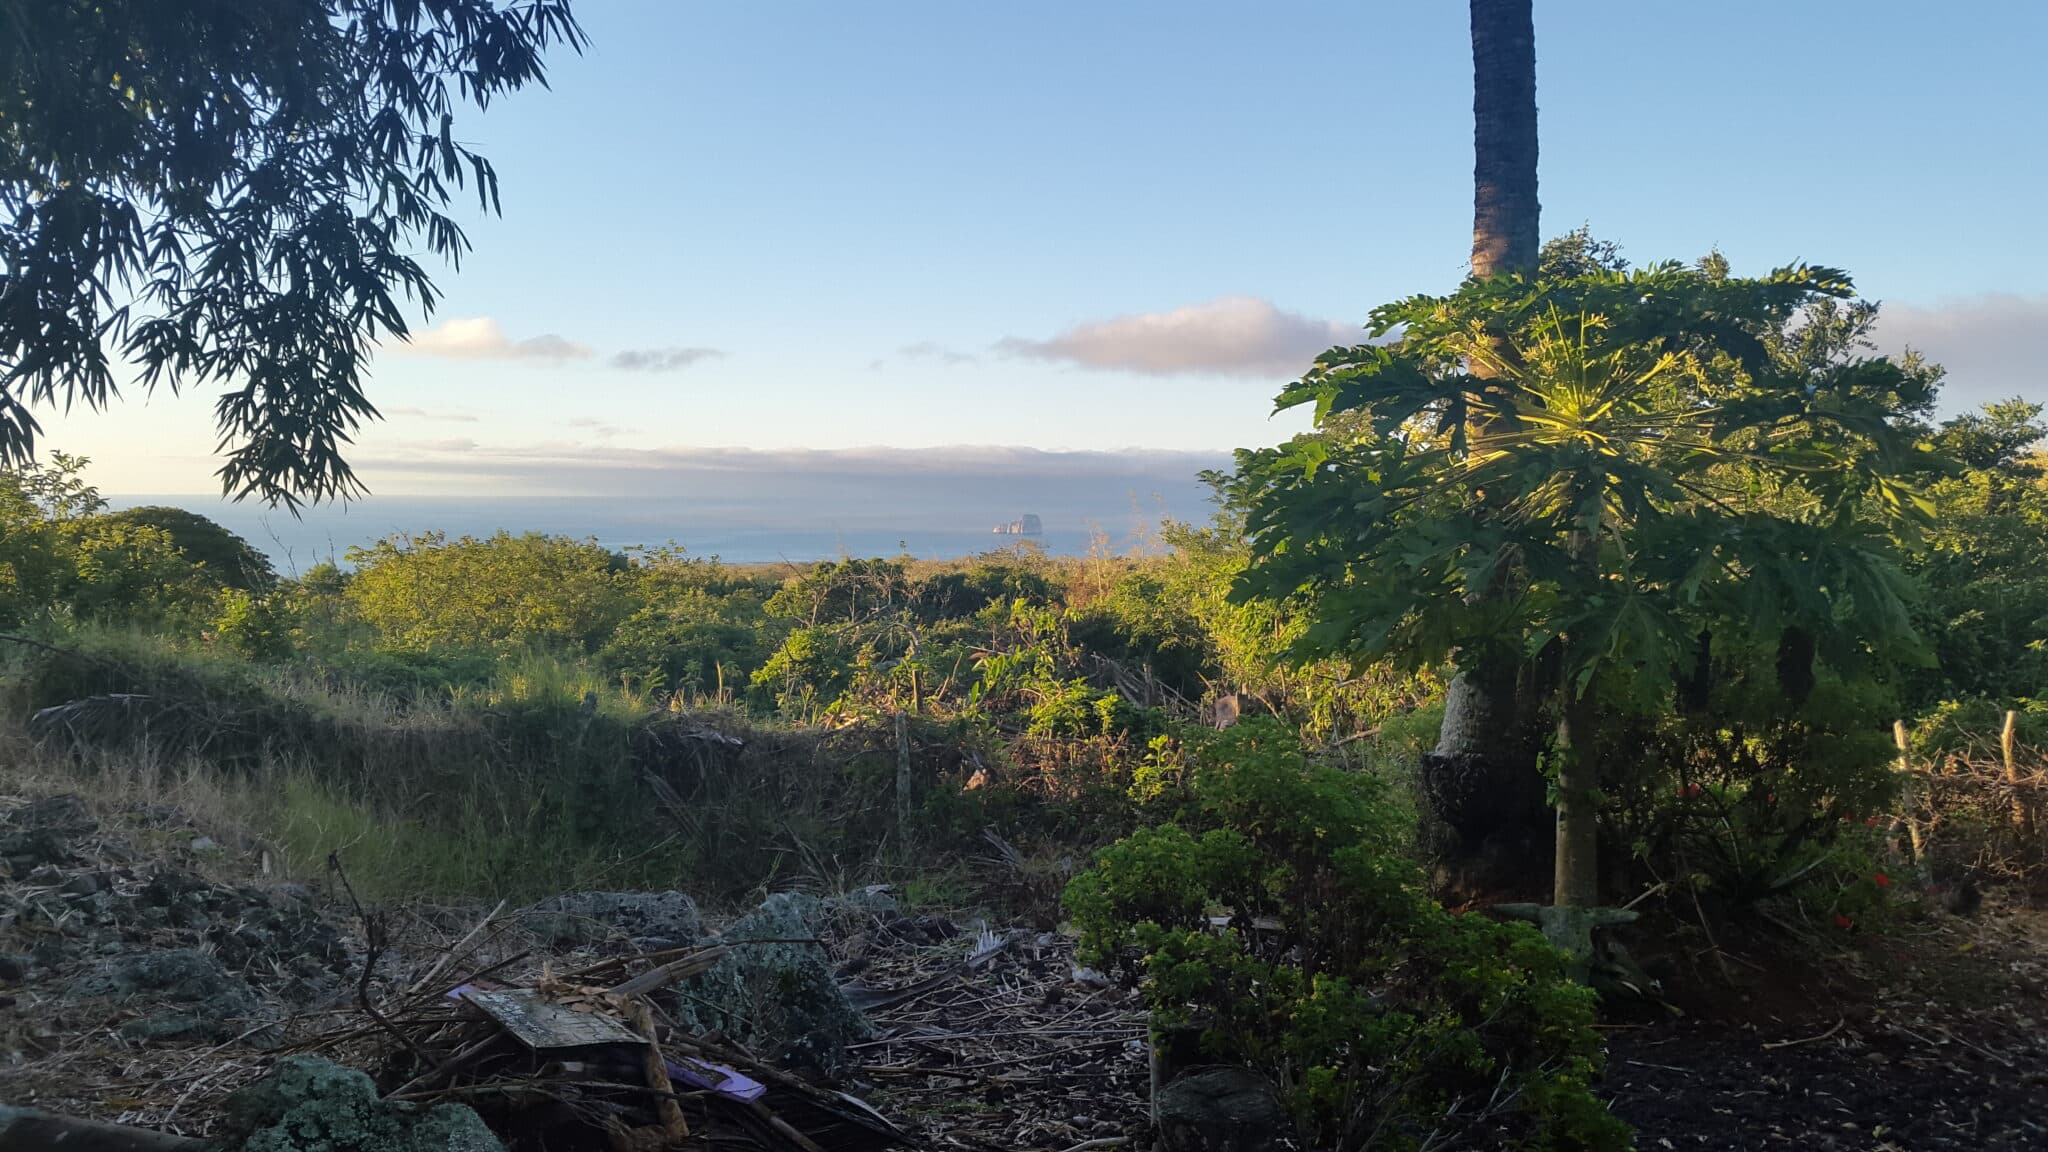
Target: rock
66, 814
197, 998
307, 1104
1222, 1110
651, 920
778, 1000
1964, 899
14, 967
204, 844
83, 884
40, 833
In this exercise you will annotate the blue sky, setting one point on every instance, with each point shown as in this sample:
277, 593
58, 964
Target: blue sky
1098, 227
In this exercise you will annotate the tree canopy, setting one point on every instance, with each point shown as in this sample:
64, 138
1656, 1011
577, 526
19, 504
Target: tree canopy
1601, 476
226, 557
1639, 451
234, 193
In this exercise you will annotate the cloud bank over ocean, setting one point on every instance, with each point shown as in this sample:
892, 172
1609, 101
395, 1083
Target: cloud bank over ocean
742, 504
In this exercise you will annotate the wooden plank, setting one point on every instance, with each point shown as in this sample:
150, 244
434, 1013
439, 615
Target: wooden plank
543, 1025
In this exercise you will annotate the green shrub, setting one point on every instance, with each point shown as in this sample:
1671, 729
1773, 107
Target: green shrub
506, 592
694, 644
1759, 794
1385, 1020
255, 625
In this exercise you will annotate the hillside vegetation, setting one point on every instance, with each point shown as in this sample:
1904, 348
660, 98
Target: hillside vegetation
523, 715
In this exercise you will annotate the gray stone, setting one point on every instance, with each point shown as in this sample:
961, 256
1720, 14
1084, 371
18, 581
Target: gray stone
66, 813
779, 1000
307, 1104
83, 884
40, 833
1222, 1110
196, 998
651, 920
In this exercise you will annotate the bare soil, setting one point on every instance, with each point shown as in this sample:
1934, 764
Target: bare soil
1929, 1037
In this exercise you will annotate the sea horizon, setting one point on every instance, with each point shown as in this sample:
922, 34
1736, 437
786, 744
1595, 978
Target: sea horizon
947, 520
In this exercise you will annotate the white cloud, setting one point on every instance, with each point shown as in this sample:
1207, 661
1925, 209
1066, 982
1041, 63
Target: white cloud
1230, 336
481, 338
1994, 345
438, 414
931, 350
580, 466
661, 359
597, 428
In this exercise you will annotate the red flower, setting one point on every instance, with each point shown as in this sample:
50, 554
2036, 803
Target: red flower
1883, 881
1843, 922
1870, 822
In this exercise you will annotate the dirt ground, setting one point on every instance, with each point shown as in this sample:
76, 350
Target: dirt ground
1929, 1036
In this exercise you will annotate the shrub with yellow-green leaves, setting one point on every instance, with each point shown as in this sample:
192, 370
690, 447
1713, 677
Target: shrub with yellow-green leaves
1382, 1017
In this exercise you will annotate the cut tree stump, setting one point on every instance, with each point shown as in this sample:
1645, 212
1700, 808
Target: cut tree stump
1570, 929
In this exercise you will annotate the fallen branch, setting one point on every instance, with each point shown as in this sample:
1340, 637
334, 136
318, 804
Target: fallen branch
1776, 1044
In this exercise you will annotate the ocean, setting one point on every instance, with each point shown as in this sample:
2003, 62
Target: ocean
928, 516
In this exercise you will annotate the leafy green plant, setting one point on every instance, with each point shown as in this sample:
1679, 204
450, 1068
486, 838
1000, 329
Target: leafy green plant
504, 592
1579, 477
1385, 1020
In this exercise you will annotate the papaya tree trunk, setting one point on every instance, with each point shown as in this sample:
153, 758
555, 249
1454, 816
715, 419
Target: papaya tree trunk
1480, 782
1575, 881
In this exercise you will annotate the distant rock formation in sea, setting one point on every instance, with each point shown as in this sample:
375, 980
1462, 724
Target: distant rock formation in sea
1026, 525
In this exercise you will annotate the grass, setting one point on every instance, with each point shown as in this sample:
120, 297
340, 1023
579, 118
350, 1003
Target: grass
538, 781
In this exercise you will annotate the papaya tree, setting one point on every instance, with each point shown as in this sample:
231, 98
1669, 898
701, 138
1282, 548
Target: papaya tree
1588, 475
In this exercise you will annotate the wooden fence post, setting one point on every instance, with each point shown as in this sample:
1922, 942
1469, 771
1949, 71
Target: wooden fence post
1905, 743
903, 782
2008, 739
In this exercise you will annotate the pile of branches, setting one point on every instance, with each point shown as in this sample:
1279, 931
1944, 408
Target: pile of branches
589, 1058
1983, 813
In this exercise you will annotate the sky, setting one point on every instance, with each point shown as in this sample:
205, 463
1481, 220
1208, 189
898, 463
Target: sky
831, 238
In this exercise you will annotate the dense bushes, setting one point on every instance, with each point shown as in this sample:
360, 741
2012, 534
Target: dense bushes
1386, 1020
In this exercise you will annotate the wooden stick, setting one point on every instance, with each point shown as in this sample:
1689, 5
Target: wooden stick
674, 1127
2008, 740
657, 978
1775, 1044
1905, 744
23, 1129
903, 778
452, 953
454, 1062
782, 1126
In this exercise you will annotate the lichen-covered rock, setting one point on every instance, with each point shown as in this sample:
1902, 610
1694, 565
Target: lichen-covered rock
196, 998
248, 927
652, 921
1222, 1110
41, 833
780, 1000
307, 1104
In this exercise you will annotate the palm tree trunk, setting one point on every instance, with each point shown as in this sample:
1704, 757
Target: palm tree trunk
1480, 782
1505, 237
